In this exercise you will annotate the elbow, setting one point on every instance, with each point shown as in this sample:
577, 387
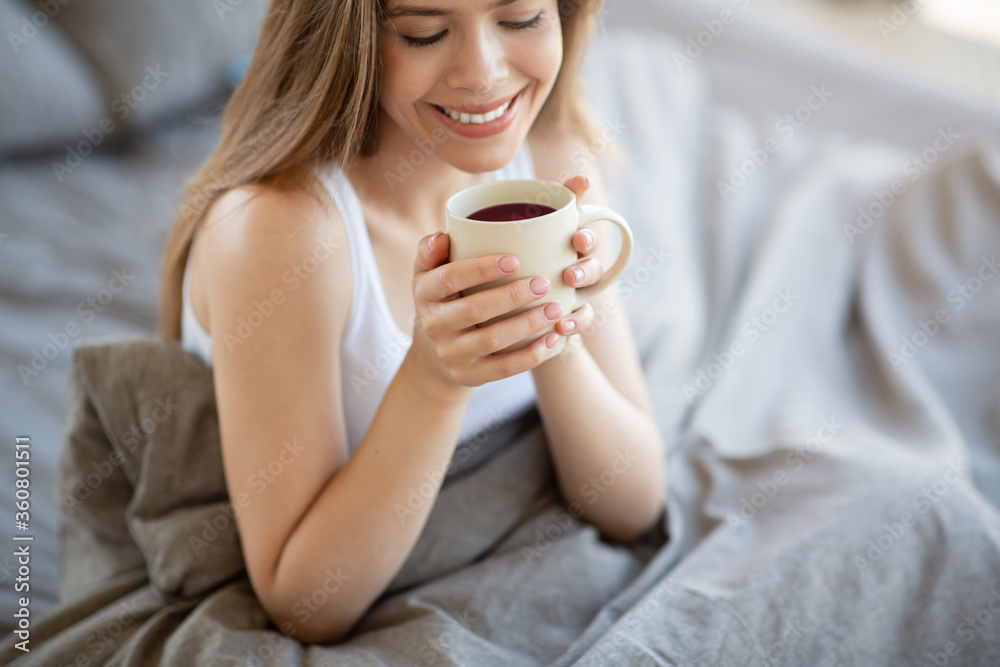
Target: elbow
629, 528
310, 611
304, 621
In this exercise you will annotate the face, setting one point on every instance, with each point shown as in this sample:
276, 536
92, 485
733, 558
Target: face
470, 76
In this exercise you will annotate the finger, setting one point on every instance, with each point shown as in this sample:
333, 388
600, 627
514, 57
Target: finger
585, 241
579, 185
448, 279
432, 252
583, 273
499, 366
579, 321
483, 306
479, 342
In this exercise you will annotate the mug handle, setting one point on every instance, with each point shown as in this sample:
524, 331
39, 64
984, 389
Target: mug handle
590, 213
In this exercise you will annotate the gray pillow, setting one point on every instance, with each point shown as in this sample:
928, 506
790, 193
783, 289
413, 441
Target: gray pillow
49, 96
159, 57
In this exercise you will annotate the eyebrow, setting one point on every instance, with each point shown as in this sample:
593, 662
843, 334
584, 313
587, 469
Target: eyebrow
431, 11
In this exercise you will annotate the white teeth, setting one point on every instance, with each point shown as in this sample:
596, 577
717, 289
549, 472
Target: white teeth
476, 118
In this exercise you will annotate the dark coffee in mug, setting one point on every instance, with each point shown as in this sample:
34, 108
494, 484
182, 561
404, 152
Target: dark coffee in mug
511, 212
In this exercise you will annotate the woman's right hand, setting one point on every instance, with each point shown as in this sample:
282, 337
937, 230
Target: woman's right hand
447, 344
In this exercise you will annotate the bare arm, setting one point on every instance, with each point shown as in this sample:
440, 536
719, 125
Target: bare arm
323, 538
607, 451
606, 446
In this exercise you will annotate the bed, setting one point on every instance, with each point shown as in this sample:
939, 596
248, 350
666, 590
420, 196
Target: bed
814, 300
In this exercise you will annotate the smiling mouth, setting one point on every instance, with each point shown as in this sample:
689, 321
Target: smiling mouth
477, 118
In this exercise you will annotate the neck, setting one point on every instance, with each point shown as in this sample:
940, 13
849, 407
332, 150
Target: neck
406, 180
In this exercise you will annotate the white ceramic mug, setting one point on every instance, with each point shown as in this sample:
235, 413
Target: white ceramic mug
542, 244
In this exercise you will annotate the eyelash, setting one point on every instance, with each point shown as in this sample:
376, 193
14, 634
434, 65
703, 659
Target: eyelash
418, 42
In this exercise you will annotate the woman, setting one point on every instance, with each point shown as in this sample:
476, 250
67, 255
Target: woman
354, 123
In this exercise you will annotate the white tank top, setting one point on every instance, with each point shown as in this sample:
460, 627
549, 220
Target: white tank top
372, 345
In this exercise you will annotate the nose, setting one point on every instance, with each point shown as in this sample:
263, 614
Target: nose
479, 63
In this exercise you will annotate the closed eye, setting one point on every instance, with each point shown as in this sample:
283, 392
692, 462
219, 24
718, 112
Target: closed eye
427, 41
524, 25
424, 41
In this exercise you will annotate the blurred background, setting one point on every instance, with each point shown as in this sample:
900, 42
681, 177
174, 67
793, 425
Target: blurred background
106, 108
954, 44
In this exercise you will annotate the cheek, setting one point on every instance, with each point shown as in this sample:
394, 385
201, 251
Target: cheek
544, 57
404, 75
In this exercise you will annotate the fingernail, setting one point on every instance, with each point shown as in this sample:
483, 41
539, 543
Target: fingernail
586, 181
550, 340
539, 285
569, 325
578, 275
509, 264
590, 238
552, 311
432, 239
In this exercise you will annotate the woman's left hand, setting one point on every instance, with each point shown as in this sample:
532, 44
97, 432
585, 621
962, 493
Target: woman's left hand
586, 271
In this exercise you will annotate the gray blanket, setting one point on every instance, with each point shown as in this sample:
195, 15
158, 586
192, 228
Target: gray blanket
503, 574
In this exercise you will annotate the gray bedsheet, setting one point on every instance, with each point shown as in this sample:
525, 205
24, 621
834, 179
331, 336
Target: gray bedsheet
503, 573
789, 542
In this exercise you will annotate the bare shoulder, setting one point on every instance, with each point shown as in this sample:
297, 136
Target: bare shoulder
261, 241
266, 225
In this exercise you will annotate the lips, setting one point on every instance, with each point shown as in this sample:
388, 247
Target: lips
475, 118
480, 120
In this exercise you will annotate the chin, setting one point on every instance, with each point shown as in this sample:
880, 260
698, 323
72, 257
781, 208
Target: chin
485, 160
481, 164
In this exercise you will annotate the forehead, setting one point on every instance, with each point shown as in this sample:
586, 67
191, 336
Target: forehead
438, 7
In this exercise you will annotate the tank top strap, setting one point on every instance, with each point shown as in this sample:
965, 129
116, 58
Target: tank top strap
368, 291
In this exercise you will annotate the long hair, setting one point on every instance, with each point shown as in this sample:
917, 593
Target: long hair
310, 98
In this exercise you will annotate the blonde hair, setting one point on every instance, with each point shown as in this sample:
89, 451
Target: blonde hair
310, 98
